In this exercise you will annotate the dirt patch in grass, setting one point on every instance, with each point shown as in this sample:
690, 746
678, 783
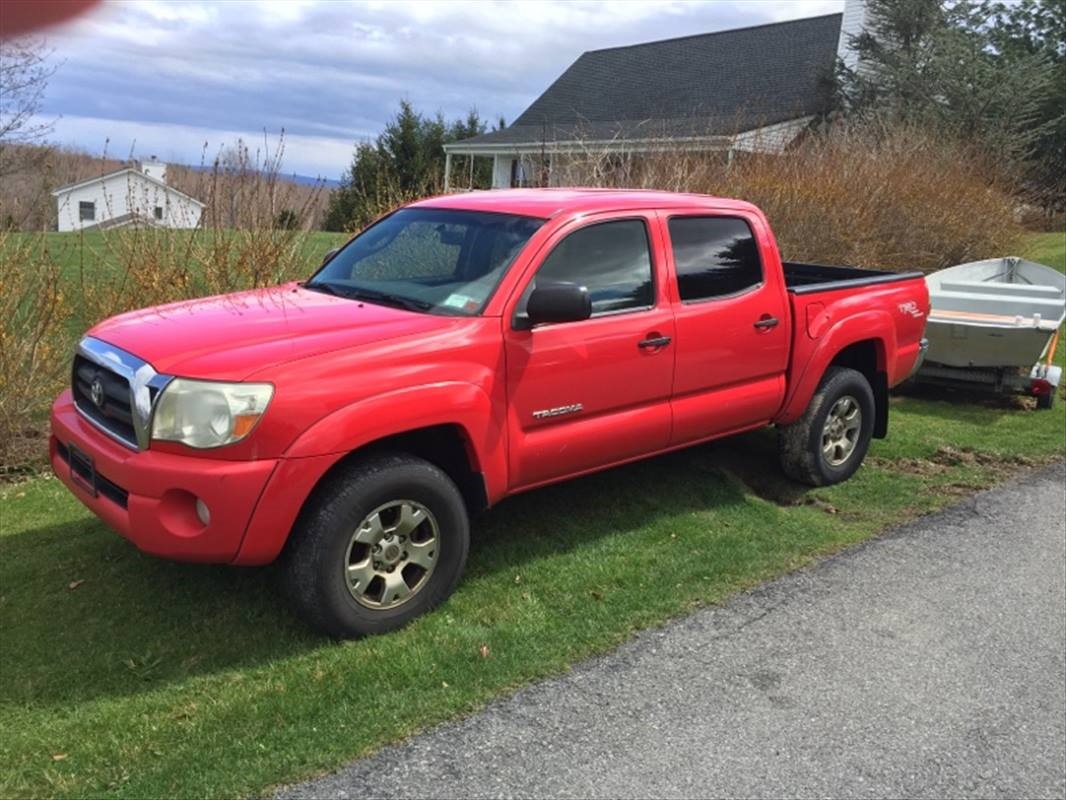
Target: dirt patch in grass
911, 466
948, 456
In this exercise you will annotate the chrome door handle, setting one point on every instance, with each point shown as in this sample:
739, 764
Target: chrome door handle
653, 342
766, 323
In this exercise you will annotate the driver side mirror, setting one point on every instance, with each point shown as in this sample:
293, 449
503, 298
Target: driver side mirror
329, 256
556, 302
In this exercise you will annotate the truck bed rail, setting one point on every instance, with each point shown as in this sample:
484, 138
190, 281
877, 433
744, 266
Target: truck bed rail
809, 278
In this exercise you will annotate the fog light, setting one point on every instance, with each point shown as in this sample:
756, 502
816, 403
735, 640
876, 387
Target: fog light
203, 512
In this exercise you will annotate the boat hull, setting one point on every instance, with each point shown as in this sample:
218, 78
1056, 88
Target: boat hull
964, 345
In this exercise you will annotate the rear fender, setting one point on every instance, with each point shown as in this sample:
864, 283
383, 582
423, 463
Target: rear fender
872, 325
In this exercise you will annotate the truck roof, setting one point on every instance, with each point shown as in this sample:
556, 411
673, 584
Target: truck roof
547, 203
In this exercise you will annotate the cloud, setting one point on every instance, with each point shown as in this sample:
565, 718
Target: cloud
334, 72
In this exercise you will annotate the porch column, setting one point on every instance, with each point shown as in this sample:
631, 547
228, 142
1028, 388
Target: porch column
447, 170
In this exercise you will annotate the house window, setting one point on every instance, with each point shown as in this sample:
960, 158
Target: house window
611, 259
159, 212
714, 256
86, 211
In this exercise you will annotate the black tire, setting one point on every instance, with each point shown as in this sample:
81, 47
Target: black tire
1047, 400
800, 444
314, 564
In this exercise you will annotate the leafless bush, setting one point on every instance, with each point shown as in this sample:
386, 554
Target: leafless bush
896, 199
53, 286
242, 187
34, 311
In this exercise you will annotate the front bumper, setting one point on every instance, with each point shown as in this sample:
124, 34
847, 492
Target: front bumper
150, 497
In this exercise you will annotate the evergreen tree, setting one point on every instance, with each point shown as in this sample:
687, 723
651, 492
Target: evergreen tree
404, 162
944, 67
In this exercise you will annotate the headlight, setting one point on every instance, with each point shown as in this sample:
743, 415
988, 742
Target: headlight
206, 414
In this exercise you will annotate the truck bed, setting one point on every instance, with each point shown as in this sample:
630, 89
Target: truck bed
809, 278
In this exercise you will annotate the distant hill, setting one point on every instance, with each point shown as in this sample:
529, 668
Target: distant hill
300, 180
307, 180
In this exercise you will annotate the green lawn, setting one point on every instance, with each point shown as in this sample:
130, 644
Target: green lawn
128, 676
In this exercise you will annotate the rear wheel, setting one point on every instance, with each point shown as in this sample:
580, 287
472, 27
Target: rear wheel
381, 542
1047, 399
829, 442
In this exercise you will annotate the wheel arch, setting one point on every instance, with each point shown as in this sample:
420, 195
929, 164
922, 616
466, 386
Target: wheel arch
450, 425
868, 357
864, 342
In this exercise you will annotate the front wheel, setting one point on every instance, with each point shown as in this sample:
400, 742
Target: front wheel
829, 442
381, 542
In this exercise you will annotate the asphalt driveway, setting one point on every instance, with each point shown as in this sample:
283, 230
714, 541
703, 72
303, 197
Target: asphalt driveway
926, 663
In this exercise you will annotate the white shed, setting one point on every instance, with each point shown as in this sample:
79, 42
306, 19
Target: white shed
135, 194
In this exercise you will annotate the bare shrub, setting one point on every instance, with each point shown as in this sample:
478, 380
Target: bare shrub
897, 199
34, 358
54, 286
242, 186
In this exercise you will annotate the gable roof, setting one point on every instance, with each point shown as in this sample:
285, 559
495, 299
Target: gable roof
116, 173
701, 85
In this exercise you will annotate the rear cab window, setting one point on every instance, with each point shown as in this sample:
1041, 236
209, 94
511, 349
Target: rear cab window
714, 257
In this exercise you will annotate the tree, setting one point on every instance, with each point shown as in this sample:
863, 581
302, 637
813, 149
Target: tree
24, 75
405, 161
943, 67
287, 220
1038, 28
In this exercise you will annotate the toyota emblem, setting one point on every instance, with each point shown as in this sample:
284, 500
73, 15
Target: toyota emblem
96, 392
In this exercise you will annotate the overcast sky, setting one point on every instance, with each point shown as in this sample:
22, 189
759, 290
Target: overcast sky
163, 78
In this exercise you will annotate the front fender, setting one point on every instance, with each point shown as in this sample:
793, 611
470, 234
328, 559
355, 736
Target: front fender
875, 325
446, 403
327, 441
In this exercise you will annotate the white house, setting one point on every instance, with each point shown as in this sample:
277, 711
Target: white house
748, 89
135, 194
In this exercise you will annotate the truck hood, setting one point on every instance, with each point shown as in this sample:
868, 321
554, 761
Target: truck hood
231, 336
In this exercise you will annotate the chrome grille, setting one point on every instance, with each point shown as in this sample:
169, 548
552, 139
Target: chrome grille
116, 391
104, 397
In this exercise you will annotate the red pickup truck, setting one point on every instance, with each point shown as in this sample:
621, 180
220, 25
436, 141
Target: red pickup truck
460, 350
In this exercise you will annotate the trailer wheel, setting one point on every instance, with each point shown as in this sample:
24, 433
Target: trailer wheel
381, 541
829, 442
1047, 399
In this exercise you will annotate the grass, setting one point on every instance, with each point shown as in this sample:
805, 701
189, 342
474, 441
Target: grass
1047, 248
72, 250
123, 675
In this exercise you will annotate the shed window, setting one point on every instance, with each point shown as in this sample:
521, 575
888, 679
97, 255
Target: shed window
159, 212
86, 211
714, 256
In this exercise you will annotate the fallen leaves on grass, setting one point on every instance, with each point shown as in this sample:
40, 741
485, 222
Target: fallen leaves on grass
483, 651
75, 584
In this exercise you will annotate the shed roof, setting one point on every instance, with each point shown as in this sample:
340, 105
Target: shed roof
702, 85
116, 173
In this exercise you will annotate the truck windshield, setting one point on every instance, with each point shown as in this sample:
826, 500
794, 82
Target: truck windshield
438, 261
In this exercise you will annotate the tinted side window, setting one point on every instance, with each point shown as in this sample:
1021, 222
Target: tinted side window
611, 259
714, 256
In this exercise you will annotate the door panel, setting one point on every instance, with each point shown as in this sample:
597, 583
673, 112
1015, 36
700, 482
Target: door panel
585, 394
732, 349
623, 391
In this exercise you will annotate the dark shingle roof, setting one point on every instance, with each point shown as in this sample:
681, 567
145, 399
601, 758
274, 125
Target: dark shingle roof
712, 83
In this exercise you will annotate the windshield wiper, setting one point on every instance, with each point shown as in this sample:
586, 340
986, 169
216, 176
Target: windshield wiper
325, 288
374, 296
